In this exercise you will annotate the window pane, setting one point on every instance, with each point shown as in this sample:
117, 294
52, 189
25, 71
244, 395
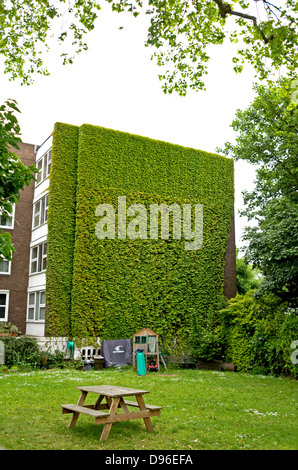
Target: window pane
3, 303
49, 162
44, 264
33, 267
42, 313
44, 256
6, 220
31, 305
31, 314
34, 252
36, 221
44, 166
46, 207
42, 298
4, 266
39, 166
2, 312
39, 259
42, 211
37, 207
2, 300
36, 214
37, 307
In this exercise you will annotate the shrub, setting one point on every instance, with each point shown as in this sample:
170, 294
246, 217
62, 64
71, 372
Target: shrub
22, 350
205, 340
257, 334
54, 360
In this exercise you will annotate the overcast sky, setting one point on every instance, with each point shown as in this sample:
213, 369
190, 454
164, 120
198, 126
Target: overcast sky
115, 84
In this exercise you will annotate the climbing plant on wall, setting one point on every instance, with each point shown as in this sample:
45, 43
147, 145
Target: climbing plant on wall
121, 285
61, 229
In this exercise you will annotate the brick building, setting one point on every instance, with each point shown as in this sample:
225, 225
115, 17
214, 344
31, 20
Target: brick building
14, 274
22, 280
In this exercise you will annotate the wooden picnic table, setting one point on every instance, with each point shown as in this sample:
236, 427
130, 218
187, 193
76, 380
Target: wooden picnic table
111, 398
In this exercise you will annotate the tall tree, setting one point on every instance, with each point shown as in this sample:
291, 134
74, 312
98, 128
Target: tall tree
181, 31
268, 138
247, 277
14, 175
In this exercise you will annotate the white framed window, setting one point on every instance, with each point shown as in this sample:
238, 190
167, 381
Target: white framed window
44, 166
4, 303
36, 305
48, 162
7, 220
40, 169
40, 212
38, 262
5, 266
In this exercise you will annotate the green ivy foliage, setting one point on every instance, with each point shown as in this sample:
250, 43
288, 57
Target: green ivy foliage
61, 229
258, 332
121, 286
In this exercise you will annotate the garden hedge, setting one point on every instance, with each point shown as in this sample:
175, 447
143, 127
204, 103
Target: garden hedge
258, 332
112, 288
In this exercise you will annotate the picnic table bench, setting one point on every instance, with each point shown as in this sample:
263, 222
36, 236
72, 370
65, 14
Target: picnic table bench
114, 400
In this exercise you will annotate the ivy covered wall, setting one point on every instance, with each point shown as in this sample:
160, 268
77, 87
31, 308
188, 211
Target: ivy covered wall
113, 287
61, 229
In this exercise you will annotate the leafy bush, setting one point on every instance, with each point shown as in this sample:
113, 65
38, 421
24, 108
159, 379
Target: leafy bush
22, 350
247, 277
257, 334
53, 360
205, 341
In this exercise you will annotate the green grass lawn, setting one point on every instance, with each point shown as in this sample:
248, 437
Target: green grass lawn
201, 410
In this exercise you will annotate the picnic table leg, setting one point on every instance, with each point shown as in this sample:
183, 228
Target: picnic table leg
113, 409
142, 406
98, 402
123, 405
109, 402
75, 414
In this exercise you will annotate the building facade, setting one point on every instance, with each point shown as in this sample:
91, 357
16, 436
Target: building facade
118, 257
23, 281
14, 274
36, 295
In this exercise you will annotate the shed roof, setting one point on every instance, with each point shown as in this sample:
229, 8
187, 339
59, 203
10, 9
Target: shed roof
145, 332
